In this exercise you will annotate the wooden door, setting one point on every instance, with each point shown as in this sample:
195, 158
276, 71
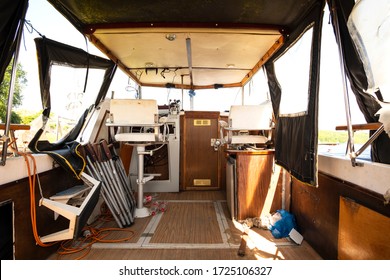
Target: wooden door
200, 163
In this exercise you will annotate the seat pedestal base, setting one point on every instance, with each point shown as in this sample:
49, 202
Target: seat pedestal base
141, 212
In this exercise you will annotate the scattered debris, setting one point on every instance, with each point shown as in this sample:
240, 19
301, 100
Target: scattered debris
242, 249
295, 236
158, 206
281, 224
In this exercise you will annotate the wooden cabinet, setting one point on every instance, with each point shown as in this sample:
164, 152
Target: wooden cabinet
257, 184
199, 163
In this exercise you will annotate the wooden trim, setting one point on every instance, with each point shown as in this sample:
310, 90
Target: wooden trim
365, 126
207, 188
102, 124
183, 152
111, 56
91, 28
278, 44
11, 133
15, 127
201, 114
249, 152
181, 86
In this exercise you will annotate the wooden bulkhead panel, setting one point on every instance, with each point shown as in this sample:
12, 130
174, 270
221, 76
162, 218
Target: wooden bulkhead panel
318, 216
254, 175
363, 233
18, 192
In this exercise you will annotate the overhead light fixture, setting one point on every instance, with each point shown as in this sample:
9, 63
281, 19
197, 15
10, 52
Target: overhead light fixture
170, 37
231, 65
149, 64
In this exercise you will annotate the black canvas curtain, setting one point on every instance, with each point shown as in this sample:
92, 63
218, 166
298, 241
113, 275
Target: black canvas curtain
51, 52
380, 148
296, 137
66, 152
12, 14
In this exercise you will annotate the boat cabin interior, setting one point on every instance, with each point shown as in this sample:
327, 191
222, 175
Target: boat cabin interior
151, 174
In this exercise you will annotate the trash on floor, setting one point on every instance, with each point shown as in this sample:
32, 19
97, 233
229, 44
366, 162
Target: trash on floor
281, 224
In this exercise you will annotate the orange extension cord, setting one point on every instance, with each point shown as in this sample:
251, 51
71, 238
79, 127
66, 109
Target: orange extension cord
32, 180
97, 235
67, 247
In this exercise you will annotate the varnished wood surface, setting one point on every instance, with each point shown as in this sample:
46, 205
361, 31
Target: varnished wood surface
126, 152
199, 161
199, 226
251, 152
189, 230
365, 126
254, 173
317, 210
363, 233
15, 126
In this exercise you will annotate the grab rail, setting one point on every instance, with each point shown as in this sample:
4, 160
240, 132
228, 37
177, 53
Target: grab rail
378, 127
9, 138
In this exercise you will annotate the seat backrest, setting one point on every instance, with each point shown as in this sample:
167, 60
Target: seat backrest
133, 111
250, 117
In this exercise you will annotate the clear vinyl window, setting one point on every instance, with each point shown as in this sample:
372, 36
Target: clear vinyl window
293, 73
69, 100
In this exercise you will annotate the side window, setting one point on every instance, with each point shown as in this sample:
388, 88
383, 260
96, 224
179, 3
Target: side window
257, 91
70, 102
293, 72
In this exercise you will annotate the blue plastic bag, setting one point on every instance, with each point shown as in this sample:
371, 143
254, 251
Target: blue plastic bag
283, 227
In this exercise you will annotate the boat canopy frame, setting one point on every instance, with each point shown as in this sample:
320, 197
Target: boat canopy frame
284, 20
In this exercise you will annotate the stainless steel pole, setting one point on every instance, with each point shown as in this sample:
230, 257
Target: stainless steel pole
11, 94
351, 145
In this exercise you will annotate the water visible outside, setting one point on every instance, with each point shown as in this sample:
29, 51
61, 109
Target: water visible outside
340, 150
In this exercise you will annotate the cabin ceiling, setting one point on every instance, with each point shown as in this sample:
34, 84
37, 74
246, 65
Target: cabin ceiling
187, 44
217, 57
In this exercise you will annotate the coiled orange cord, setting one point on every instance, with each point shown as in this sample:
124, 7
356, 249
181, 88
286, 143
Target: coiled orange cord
96, 235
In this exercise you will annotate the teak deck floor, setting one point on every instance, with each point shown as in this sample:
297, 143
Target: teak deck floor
196, 226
